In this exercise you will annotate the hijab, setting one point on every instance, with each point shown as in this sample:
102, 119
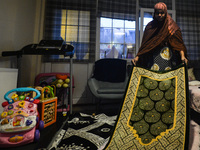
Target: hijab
157, 32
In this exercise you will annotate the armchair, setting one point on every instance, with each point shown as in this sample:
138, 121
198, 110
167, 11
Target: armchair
109, 79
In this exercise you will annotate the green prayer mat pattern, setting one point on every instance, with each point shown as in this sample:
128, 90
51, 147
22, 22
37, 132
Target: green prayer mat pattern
154, 113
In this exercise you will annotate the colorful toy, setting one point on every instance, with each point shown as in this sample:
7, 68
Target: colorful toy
19, 123
62, 83
48, 111
48, 104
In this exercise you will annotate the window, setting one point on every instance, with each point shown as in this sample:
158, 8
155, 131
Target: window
75, 30
117, 38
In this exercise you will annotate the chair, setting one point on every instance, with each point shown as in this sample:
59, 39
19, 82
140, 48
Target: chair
109, 79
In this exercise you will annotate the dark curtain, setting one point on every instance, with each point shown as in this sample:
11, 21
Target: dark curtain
187, 17
53, 22
151, 3
98, 8
118, 9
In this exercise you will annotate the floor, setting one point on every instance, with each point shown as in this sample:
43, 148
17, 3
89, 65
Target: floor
48, 133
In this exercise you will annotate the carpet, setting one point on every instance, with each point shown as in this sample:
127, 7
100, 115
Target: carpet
155, 113
83, 131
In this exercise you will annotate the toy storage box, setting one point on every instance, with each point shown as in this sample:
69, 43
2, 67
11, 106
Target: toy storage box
62, 96
48, 111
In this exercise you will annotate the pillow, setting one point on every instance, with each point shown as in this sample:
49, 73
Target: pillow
194, 83
110, 70
191, 76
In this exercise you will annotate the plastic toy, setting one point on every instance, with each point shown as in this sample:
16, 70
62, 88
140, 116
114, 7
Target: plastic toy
46, 92
19, 123
62, 83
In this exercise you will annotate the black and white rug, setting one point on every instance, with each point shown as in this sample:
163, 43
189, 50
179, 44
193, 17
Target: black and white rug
83, 131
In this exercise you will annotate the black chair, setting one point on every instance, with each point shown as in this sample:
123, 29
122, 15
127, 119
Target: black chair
109, 80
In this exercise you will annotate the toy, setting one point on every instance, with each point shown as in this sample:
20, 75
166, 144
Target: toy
19, 121
48, 104
62, 83
46, 92
48, 111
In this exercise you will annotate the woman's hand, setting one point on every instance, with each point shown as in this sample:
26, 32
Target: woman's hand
183, 59
135, 60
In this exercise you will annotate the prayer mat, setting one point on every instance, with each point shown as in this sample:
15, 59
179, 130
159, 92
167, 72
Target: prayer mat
154, 114
83, 131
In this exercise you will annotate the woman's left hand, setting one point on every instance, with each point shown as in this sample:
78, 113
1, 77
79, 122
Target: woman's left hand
184, 60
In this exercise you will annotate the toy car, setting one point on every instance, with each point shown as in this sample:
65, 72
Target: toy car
19, 121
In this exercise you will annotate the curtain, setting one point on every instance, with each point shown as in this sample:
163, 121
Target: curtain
98, 8
118, 9
151, 3
187, 17
54, 20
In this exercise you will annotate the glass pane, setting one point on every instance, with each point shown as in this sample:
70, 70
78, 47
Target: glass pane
118, 23
63, 32
116, 51
104, 49
105, 35
105, 22
130, 36
63, 19
72, 17
130, 51
130, 24
84, 18
118, 35
84, 34
71, 34
147, 20
112, 51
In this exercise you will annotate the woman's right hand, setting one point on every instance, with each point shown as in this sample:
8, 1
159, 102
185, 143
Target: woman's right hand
135, 60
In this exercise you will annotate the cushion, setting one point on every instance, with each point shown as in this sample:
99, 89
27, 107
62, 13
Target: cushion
191, 76
194, 83
110, 70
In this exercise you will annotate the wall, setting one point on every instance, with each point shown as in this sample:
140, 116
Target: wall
8, 80
16, 25
19, 27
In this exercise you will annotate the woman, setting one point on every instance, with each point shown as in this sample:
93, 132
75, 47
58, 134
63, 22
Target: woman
162, 45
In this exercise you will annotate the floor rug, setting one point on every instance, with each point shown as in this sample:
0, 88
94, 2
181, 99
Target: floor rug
83, 131
154, 114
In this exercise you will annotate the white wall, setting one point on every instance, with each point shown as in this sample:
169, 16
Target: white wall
8, 80
17, 19
19, 27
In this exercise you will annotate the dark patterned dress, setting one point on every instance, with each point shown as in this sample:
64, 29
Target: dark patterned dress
163, 59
